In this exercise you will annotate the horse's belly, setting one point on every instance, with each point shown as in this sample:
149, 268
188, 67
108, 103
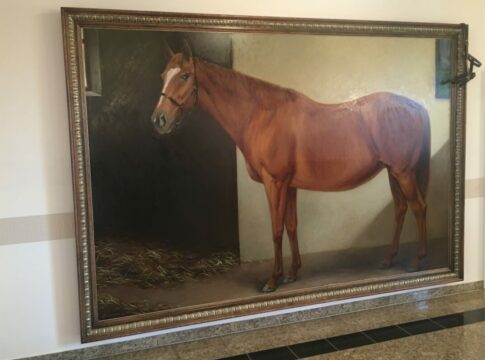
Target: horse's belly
335, 176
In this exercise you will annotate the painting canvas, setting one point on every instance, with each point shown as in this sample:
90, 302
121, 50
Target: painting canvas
232, 168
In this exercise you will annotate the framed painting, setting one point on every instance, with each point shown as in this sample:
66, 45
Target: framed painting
225, 166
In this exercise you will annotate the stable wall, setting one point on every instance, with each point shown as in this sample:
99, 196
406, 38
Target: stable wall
38, 282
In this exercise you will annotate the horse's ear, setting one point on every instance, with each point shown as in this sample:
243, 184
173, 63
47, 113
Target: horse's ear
186, 50
167, 50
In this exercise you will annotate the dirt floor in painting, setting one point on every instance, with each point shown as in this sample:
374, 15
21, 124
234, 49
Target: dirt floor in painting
239, 281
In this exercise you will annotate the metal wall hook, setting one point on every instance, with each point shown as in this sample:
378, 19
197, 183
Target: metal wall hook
461, 80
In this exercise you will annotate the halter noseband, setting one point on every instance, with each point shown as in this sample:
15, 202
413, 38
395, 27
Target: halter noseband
195, 92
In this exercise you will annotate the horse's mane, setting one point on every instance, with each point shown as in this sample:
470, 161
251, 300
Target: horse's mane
251, 87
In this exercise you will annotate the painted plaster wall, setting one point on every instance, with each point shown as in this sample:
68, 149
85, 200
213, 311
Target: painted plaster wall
38, 282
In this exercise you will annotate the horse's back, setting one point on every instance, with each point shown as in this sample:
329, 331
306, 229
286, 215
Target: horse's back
341, 146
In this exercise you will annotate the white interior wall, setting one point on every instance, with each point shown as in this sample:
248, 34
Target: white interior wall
38, 282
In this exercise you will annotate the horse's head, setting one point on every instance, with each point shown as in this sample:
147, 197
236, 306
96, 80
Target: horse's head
179, 91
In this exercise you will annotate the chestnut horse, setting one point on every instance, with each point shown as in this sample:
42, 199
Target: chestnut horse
290, 141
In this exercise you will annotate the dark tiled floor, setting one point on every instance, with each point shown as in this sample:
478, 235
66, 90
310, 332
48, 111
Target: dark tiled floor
451, 327
474, 316
311, 348
351, 340
386, 333
420, 327
449, 321
368, 337
282, 353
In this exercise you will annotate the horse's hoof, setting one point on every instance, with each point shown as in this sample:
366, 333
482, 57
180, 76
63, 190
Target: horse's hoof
289, 279
267, 288
385, 264
413, 267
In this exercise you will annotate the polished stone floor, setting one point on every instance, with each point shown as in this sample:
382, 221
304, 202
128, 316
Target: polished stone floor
423, 331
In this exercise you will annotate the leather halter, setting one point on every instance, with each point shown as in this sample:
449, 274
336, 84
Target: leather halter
195, 92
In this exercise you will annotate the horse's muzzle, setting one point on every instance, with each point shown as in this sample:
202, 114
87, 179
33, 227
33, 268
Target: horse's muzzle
159, 120
165, 125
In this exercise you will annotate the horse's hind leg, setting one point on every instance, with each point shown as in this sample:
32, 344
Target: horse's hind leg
410, 189
400, 207
290, 224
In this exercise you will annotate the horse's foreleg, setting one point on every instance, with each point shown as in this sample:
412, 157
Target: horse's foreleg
276, 191
400, 207
416, 201
290, 224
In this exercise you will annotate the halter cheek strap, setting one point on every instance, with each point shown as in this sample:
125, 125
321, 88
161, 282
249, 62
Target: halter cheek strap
181, 105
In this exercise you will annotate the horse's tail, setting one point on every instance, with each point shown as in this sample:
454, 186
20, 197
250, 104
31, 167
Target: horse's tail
422, 168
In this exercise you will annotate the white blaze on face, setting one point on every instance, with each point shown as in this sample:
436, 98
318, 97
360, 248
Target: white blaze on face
170, 74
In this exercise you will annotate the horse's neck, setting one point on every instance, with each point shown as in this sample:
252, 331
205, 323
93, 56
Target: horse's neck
223, 96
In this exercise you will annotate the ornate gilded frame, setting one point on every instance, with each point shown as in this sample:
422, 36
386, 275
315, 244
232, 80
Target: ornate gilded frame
75, 19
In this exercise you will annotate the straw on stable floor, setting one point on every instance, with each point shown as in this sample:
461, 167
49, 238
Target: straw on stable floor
148, 268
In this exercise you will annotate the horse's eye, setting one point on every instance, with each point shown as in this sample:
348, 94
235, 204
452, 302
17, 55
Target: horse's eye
184, 77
